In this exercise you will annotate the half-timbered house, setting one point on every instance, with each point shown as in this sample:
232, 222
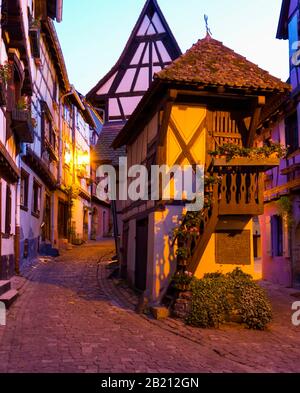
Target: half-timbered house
280, 225
209, 97
15, 126
151, 47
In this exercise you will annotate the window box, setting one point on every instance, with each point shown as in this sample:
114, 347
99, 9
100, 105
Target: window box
268, 163
22, 125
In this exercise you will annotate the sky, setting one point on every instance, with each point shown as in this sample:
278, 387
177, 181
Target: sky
93, 33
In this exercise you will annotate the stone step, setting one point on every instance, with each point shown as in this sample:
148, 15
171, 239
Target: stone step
9, 297
4, 286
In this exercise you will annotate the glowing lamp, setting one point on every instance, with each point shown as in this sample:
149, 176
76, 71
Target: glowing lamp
68, 158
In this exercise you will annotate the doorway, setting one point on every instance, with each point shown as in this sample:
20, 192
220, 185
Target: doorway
141, 254
85, 224
46, 233
94, 231
62, 219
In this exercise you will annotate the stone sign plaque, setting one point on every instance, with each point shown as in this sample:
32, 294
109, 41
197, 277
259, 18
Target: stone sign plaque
233, 247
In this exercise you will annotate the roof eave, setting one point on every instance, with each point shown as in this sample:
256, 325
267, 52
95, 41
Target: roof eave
282, 31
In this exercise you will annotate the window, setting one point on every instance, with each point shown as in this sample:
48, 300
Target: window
24, 190
291, 132
277, 236
48, 132
36, 198
293, 33
8, 211
55, 90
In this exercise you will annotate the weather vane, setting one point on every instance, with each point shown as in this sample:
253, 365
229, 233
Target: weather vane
208, 31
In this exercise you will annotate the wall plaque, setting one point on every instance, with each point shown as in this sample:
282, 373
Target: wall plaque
233, 247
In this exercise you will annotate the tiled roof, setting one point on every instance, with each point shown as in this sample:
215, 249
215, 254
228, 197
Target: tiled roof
209, 62
103, 151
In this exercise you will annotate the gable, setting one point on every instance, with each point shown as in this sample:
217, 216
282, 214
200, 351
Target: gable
150, 48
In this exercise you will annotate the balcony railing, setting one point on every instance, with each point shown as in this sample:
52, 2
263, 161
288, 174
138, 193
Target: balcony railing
241, 192
22, 125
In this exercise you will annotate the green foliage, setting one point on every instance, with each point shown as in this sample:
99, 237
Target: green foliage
285, 208
22, 104
234, 151
5, 72
218, 297
182, 279
182, 253
35, 24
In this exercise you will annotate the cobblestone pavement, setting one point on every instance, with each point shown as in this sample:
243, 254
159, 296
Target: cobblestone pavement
71, 318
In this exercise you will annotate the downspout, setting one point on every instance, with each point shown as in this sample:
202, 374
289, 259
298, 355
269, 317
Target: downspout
59, 10
18, 222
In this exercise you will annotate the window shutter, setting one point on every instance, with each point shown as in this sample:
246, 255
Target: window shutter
8, 211
268, 240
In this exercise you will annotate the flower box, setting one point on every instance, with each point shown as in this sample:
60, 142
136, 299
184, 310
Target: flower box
265, 162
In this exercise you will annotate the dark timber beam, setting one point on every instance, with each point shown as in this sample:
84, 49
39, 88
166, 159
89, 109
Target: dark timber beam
261, 101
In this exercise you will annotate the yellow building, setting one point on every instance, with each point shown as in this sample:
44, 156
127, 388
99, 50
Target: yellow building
206, 99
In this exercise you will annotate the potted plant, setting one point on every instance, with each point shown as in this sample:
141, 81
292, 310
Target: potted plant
182, 281
5, 74
22, 104
35, 24
229, 152
182, 256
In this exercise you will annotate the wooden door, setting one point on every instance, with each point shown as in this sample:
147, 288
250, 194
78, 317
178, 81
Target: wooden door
62, 220
46, 234
141, 254
85, 225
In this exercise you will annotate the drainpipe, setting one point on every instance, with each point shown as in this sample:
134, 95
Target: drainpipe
17, 222
59, 10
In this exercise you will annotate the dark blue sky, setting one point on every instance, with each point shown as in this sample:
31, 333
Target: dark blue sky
93, 32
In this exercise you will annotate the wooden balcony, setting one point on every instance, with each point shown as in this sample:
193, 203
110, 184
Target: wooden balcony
22, 125
241, 193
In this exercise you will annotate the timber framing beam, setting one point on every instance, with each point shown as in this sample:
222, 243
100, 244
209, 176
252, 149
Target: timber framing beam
162, 133
255, 121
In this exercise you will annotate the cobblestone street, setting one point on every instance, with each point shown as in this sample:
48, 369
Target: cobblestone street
70, 318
